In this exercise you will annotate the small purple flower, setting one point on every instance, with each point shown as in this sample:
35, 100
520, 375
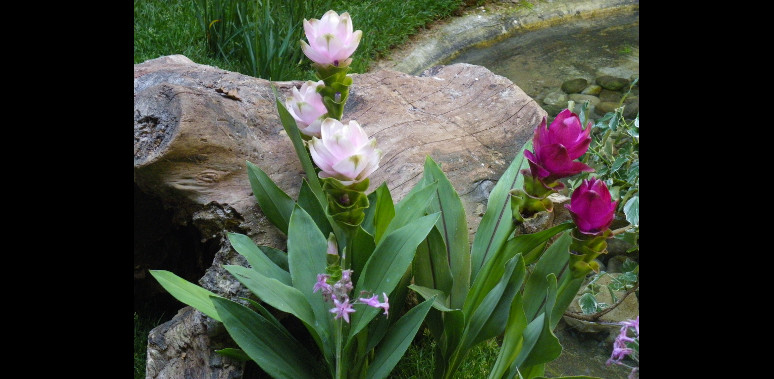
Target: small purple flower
591, 207
342, 309
558, 146
372, 301
322, 283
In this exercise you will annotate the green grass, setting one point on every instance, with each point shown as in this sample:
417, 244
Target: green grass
419, 361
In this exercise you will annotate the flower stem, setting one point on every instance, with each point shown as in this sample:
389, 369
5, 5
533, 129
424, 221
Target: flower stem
338, 349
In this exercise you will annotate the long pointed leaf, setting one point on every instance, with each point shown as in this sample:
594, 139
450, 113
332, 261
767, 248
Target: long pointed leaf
431, 268
257, 259
497, 223
412, 206
273, 292
277, 355
388, 263
187, 292
512, 340
554, 260
275, 204
493, 269
547, 347
308, 201
384, 211
454, 229
397, 340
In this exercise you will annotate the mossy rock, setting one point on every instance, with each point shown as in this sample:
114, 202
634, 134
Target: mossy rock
612, 83
610, 96
574, 85
592, 89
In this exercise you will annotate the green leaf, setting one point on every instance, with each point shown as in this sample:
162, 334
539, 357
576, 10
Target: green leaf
569, 377
308, 201
232, 353
257, 259
307, 250
362, 247
388, 263
289, 123
431, 267
441, 298
273, 292
588, 303
270, 348
275, 204
453, 227
279, 257
554, 260
629, 265
512, 339
490, 318
411, 207
397, 340
368, 219
632, 210
547, 347
497, 223
494, 268
187, 292
384, 211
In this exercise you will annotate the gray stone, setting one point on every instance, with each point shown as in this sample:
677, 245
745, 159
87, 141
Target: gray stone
556, 97
580, 99
610, 96
604, 107
612, 83
632, 108
592, 89
574, 85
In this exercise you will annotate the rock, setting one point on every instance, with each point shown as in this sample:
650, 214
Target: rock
196, 126
627, 310
557, 98
592, 89
580, 99
632, 108
612, 83
574, 85
553, 110
605, 106
610, 96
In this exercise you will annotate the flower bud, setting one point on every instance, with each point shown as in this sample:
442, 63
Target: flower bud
557, 146
307, 108
344, 152
331, 39
591, 207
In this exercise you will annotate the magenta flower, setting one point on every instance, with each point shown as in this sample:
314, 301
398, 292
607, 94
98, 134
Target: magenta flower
331, 39
557, 146
591, 207
307, 108
344, 152
342, 309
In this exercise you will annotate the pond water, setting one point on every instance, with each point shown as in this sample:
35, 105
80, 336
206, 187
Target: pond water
539, 61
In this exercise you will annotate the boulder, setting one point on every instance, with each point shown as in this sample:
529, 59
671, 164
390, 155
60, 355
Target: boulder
195, 126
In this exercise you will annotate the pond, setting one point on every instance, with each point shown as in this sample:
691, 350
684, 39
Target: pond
539, 61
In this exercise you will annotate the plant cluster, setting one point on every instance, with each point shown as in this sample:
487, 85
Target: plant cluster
352, 256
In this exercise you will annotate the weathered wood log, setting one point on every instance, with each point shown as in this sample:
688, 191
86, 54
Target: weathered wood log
196, 126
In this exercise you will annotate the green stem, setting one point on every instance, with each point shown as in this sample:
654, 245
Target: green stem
338, 349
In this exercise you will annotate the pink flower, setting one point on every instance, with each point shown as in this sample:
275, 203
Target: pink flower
342, 309
374, 302
344, 152
307, 108
591, 207
557, 147
323, 286
331, 39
